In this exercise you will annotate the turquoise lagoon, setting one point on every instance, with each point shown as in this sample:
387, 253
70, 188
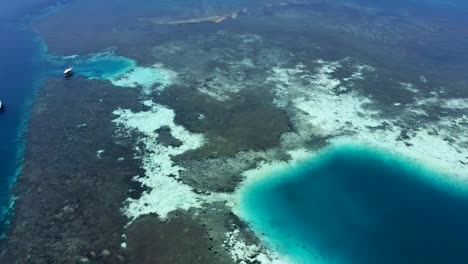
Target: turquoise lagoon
120, 71
103, 65
352, 204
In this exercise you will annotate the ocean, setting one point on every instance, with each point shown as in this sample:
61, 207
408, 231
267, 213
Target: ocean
348, 204
21, 69
352, 204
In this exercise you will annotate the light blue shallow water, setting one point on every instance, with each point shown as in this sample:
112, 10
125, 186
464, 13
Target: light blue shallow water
357, 205
103, 65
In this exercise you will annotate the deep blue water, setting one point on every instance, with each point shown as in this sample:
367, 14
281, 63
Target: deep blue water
356, 205
20, 74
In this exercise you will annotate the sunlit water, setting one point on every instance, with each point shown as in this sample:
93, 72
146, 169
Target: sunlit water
20, 72
103, 65
357, 205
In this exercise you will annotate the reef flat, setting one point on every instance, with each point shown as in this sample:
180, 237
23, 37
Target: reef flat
164, 126
70, 198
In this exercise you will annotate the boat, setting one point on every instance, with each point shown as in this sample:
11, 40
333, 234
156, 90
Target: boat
68, 71
1, 105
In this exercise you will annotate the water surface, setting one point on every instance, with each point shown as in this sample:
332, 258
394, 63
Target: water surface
20, 71
357, 205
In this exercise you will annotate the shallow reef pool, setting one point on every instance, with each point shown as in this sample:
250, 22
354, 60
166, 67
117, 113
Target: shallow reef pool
119, 70
352, 204
102, 65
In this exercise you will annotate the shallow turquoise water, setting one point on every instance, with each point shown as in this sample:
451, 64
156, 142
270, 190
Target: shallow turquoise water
120, 71
357, 205
104, 65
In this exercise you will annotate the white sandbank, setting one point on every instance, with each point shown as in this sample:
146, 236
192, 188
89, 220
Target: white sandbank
146, 77
166, 193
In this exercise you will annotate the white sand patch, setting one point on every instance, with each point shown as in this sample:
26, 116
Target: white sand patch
299, 154
322, 79
292, 83
243, 253
146, 77
409, 87
435, 100
214, 91
99, 153
349, 118
431, 101
284, 80
359, 72
347, 113
460, 103
166, 193
249, 38
430, 150
418, 111
70, 57
247, 62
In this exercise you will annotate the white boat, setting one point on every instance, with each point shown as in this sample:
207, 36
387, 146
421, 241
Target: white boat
1, 105
68, 71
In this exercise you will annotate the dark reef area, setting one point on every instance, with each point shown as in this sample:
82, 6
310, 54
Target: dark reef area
69, 199
71, 195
